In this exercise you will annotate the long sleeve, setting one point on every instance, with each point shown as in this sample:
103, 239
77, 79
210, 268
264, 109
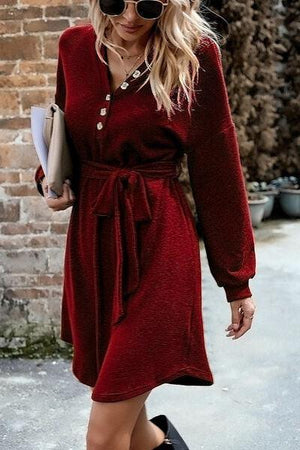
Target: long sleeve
60, 96
217, 181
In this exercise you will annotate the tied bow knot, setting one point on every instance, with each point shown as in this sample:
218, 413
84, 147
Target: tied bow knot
126, 183
124, 197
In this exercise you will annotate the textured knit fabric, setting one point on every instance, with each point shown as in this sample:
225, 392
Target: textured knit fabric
132, 305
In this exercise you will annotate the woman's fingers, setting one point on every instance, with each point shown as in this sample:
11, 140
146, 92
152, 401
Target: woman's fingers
70, 193
236, 322
66, 192
246, 325
64, 201
242, 312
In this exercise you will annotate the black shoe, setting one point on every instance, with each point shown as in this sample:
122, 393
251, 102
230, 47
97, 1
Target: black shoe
173, 440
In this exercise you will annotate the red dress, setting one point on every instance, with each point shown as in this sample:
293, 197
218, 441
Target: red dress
131, 302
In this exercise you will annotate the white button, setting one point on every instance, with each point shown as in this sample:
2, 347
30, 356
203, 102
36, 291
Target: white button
107, 97
99, 125
124, 85
136, 74
103, 111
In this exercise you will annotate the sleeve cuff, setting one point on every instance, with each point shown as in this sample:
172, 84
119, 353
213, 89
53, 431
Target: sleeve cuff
39, 188
237, 292
39, 174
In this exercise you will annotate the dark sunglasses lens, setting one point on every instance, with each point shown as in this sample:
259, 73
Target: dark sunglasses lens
149, 9
112, 7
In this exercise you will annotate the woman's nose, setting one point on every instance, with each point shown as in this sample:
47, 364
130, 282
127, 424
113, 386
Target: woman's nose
130, 13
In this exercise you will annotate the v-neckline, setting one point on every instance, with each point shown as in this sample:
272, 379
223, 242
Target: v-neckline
130, 79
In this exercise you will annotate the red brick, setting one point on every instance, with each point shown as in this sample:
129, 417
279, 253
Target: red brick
6, 68
39, 25
21, 13
26, 138
67, 11
35, 97
10, 26
42, 2
24, 228
59, 228
26, 293
50, 280
9, 177
51, 46
9, 2
27, 176
9, 136
15, 123
52, 80
81, 22
9, 210
20, 190
9, 103
49, 240
26, 80
25, 261
19, 156
45, 66
10, 280
20, 47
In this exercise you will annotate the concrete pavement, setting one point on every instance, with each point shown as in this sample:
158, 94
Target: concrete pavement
254, 403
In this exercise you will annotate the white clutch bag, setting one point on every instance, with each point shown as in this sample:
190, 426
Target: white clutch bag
50, 140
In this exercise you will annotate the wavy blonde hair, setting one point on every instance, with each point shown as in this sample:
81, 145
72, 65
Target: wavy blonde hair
174, 39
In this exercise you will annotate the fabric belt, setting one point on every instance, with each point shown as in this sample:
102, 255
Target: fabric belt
124, 197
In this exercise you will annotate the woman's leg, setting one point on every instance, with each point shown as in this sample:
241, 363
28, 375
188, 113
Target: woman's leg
111, 423
146, 435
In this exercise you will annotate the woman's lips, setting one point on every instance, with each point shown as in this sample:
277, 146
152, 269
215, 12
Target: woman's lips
130, 29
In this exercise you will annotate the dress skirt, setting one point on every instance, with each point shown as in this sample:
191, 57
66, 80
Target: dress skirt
159, 339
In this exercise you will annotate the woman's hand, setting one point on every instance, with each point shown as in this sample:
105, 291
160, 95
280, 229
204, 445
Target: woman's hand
64, 201
242, 312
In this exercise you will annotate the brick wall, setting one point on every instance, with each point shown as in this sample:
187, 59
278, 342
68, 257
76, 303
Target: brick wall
32, 237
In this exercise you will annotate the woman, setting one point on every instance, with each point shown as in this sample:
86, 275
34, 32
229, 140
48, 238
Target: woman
141, 86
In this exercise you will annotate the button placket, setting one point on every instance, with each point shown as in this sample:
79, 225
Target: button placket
136, 74
124, 85
103, 112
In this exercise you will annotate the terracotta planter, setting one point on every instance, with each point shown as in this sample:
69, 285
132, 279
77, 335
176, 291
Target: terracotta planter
257, 204
289, 200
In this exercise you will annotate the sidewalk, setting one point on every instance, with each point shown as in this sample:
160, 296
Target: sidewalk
254, 403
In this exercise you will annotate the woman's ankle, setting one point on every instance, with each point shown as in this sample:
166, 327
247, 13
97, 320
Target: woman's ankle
159, 434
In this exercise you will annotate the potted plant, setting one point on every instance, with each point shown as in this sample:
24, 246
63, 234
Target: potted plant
257, 202
289, 197
268, 190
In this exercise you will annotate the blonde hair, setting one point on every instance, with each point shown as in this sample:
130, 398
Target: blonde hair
175, 37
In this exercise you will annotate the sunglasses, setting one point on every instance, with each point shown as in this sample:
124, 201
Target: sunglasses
146, 9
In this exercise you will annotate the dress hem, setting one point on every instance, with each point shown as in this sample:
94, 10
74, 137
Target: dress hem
119, 396
205, 379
